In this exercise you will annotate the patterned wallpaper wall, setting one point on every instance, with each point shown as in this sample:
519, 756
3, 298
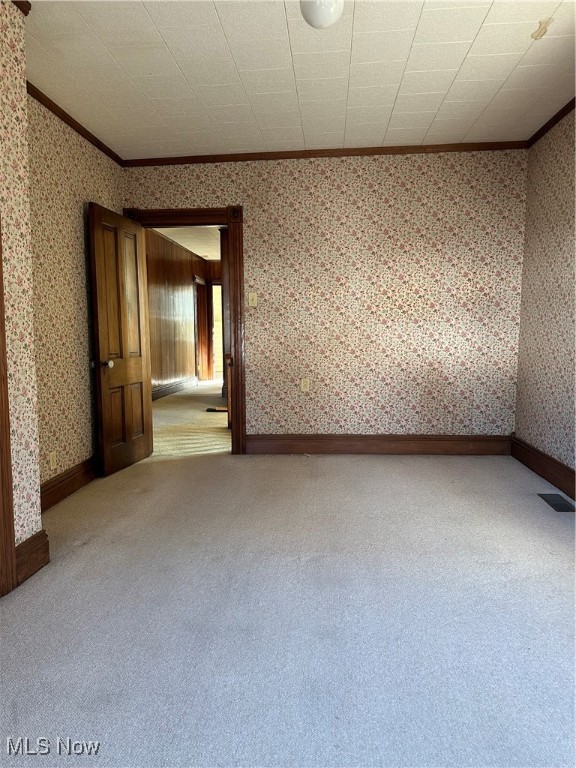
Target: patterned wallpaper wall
392, 282
545, 415
68, 172
17, 265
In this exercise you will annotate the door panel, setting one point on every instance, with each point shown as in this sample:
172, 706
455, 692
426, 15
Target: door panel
121, 339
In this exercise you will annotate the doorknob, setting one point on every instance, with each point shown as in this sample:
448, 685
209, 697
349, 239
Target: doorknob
108, 364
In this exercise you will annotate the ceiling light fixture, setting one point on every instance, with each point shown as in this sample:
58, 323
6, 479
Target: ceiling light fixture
542, 29
321, 13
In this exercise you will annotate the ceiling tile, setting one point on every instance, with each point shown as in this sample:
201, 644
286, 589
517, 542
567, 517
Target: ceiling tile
360, 143
531, 77
286, 119
404, 137
451, 126
427, 82
492, 116
263, 54
164, 86
418, 102
316, 109
287, 145
210, 72
450, 25
220, 95
306, 39
461, 109
563, 23
330, 89
198, 42
250, 20
256, 144
290, 133
293, 9
485, 133
381, 46
411, 120
438, 56
473, 90
503, 11
239, 130
323, 125
372, 133
146, 60
380, 73
550, 51
372, 97
55, 18
122, 23
386, 17
496, 67
502, 38
519, 98
193, 123
362, 115
241, 113
274, 102
329, 140
179, 14
313, 66
268, 80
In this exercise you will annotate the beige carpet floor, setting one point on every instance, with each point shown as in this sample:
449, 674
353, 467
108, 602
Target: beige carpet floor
182, 427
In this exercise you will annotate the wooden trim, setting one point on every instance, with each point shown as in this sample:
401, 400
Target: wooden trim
231, 217
566, 109
23, 6
7, 544
171, 389
552, 470
451, 445
303, 154
31, 555
65, 484
74, 124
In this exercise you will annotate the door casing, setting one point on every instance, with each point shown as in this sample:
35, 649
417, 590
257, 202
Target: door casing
230, 217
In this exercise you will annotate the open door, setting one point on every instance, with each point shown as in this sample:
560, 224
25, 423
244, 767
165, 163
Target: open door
121, 339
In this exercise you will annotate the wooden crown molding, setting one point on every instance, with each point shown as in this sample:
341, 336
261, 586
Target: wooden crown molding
74, 124
426, 149
23, 6
566, 109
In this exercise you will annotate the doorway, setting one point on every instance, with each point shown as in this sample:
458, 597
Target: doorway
189, 410
229, 222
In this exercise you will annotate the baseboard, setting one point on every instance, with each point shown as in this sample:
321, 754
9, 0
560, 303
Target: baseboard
58, 488
171, 389
552, 470
31, 555
451, 445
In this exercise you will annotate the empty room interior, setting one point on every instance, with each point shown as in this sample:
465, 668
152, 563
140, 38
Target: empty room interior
287, 367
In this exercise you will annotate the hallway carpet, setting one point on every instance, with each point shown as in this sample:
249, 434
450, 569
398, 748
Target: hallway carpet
388, 611
182, 427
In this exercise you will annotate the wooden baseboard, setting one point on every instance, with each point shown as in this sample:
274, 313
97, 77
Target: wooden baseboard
58, 488
552, 470
171, 389
31, 555
456, 445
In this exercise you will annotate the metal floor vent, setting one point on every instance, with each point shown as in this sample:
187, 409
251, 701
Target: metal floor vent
557, 502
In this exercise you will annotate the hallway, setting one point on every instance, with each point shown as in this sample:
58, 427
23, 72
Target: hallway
182, 427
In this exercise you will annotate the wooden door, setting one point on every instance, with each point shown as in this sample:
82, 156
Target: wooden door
121, 339
204, 330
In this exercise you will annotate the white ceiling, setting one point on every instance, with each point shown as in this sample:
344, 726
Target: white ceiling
187, 77
203, 241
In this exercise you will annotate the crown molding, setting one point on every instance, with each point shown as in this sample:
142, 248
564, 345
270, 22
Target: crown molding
74, 124
23, 6
566, 109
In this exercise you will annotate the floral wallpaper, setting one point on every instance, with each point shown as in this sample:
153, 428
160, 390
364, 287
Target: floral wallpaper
17, 267
68, 172
545, 415
391, 282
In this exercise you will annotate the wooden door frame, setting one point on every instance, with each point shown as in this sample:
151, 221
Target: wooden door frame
232, 218
8, 579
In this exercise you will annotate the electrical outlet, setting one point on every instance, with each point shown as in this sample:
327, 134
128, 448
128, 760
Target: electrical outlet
53, 456
252, 299
305, 385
